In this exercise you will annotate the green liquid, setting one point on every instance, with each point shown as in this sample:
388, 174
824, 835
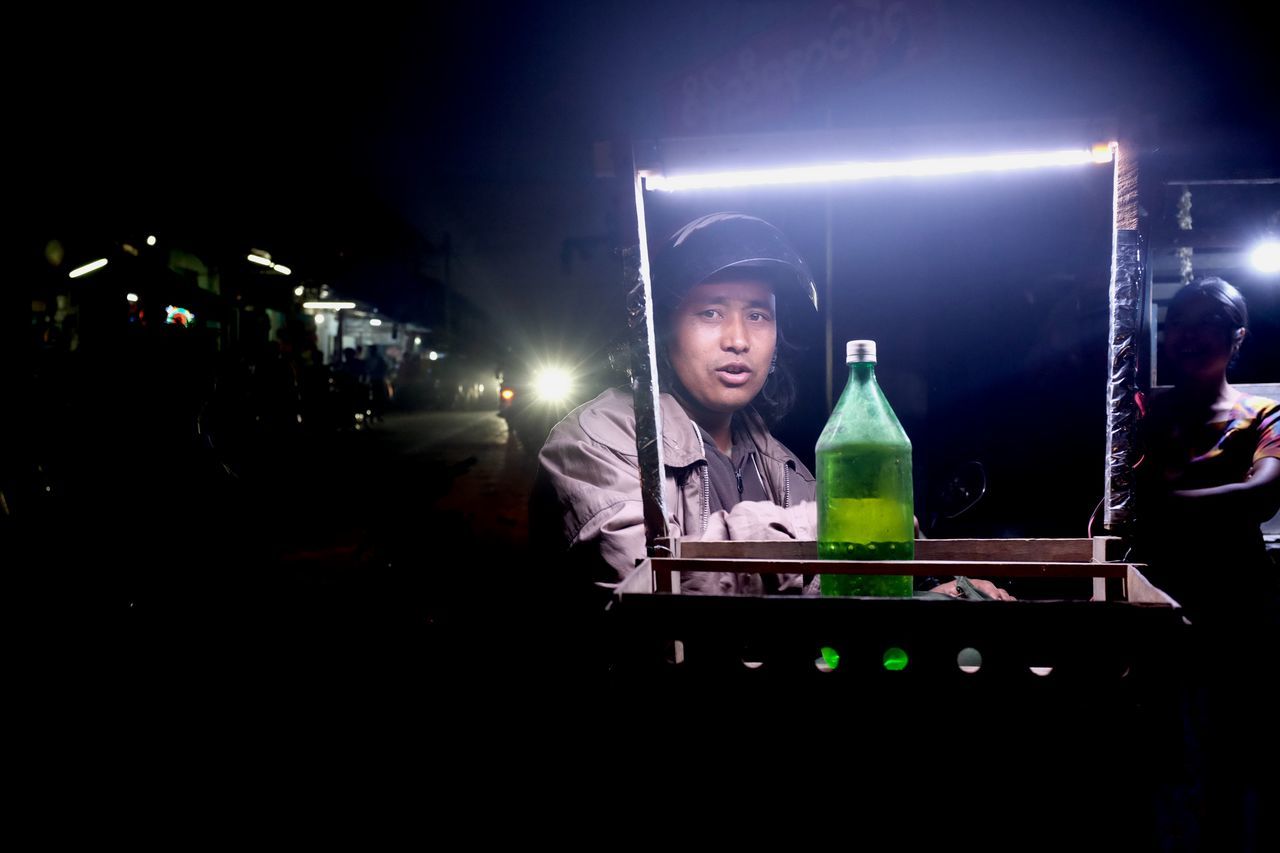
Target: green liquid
900, 585
865, 529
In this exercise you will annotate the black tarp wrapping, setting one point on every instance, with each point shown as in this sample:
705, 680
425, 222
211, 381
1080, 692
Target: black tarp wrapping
1122, 383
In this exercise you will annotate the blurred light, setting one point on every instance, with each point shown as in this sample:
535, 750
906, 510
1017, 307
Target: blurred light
176, 316
87, 268
299, 290
417, 342
319, 319
433, 355
508, 394
282, 269
132, 297
553, 384
129, 249
375, 322
969, 660
1266, 257
151, 241
895, 659
328, 306
258, 259
481, 387
860, 171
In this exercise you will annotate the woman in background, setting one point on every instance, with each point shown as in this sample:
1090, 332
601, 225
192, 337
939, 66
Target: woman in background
1209, 477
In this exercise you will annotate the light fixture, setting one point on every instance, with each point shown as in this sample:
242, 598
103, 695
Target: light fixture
258, 259
433, 355
131, 297
375, 322
871, 170
299, 290
151, 240
328, 306
87, 268
1265, 257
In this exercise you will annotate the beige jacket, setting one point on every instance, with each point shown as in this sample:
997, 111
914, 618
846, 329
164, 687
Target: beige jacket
589, 470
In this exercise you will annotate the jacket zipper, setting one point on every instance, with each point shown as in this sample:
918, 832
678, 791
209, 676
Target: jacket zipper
706, 486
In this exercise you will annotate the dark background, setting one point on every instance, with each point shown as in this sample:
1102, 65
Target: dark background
443, 162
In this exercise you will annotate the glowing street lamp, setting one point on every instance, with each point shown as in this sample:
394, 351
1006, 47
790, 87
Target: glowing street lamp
87, 268
1265, 257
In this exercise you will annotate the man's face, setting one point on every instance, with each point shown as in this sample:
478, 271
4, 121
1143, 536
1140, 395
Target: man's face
722, 342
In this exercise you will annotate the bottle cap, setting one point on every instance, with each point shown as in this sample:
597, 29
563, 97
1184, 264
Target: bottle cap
860, 351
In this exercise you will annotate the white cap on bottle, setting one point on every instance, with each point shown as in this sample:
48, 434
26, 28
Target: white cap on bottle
860, 351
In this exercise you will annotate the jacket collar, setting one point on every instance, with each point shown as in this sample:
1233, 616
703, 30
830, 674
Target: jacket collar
610, 419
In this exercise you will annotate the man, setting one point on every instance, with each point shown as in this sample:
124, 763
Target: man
722, 284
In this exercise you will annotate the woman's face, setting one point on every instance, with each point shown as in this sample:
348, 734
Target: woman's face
1199, 338
722, 342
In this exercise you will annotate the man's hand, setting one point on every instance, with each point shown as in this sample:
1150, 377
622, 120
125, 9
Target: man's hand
950, 588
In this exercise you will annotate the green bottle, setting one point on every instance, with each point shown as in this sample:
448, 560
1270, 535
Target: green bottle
865, 505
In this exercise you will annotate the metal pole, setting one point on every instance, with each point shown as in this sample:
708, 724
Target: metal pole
830, 324
830, 312
644, 385
1125, 324
338, 341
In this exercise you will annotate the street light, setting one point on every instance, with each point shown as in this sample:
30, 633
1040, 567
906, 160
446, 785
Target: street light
1265, 257
269, 264
87, 268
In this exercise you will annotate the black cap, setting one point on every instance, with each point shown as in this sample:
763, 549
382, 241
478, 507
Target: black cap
719, 241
